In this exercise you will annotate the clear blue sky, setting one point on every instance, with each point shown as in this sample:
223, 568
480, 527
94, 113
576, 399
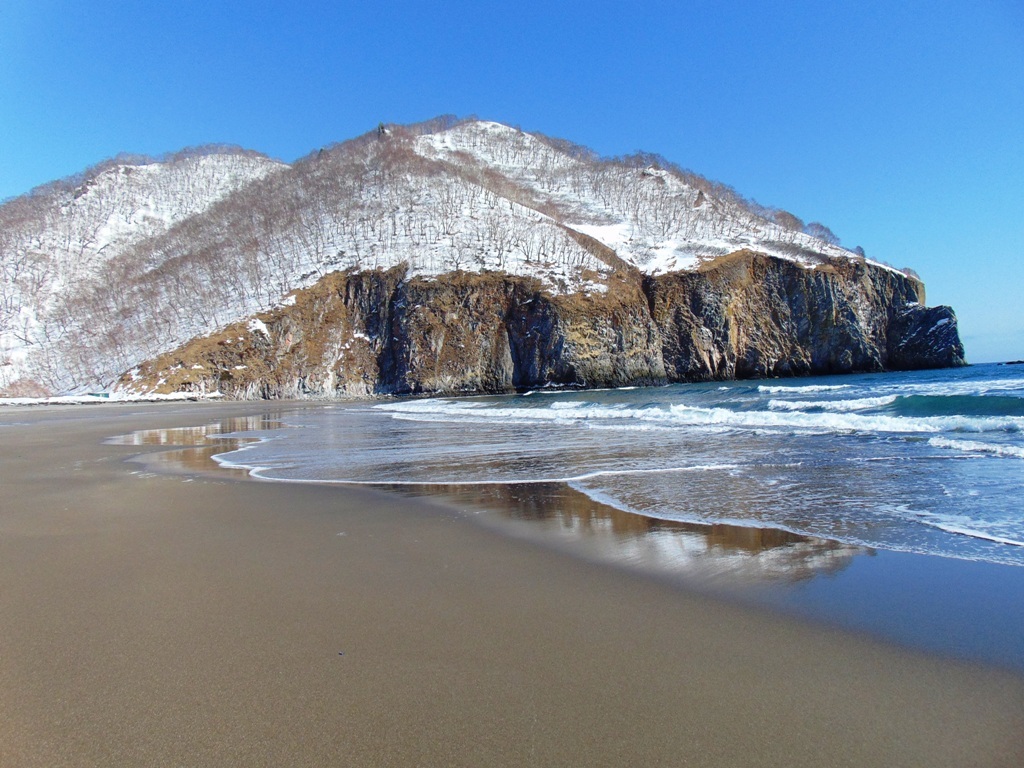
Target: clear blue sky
898, 124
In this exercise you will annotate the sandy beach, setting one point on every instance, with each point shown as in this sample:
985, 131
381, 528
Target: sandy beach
199, 620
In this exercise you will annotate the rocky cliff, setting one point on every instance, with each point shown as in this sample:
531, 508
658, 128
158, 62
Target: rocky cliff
744, 315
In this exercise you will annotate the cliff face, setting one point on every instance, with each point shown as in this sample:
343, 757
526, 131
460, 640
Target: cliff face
748, 316
744, 315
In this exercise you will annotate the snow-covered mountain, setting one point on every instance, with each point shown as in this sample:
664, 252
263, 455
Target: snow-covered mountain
60, 238
134, 258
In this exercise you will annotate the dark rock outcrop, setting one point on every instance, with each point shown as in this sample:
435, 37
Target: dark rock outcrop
744, 315
925, 337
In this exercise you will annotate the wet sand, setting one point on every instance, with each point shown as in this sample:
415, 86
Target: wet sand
204, 621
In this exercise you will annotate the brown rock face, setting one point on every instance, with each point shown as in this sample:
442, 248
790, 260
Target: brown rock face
742, 316
749, 316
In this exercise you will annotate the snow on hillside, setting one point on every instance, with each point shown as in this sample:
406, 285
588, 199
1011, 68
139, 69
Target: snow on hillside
652, 217
63, 235
140, 258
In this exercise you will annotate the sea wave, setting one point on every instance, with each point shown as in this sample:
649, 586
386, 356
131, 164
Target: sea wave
843, 422
965, 526
914, 405
838, 406
775, 390
466, 411
680, 415
975, 446
976, 388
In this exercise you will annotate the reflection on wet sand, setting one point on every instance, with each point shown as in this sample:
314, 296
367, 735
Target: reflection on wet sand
198, 445
556, 513
710, 553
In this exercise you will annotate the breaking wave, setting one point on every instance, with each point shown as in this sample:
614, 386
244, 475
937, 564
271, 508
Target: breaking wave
976, 447
961, 525
835, 416
840, 406
802, 388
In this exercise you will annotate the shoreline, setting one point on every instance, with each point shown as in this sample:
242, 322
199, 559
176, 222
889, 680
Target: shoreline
199, 620
885, 594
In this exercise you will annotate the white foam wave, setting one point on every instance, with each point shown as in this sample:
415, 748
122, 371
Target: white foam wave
260, 472
956, 388
974, 446
692, 416
650, 471
838, 406
843, 422
964, 526
466, 411
555, 391
798, 388
1010, 387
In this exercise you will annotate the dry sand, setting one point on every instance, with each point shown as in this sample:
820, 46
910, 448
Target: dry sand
197, 621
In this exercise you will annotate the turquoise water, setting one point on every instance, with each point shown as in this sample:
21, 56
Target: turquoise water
926, 462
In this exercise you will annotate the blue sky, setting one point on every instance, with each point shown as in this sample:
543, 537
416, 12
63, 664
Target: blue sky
899, 125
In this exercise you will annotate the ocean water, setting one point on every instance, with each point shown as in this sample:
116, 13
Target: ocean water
927, 462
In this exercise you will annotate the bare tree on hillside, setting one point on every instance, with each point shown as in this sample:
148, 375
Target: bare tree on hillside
820, 231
